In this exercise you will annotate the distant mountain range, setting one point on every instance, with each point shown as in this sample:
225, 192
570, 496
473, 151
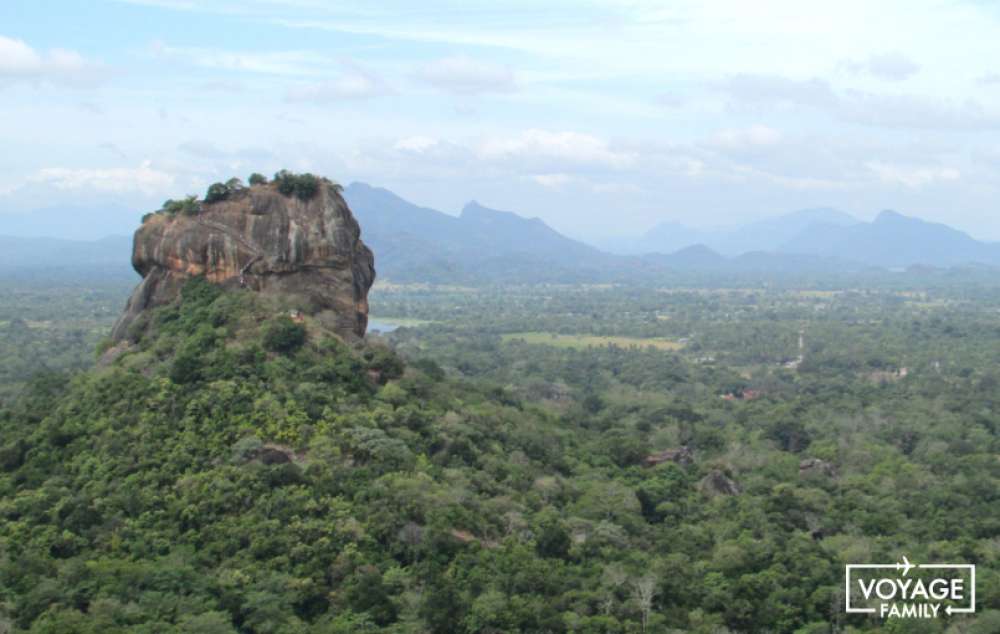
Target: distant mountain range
414, 243
67, 261
763, 235
55, 252
71, 222
481, 244
893, 240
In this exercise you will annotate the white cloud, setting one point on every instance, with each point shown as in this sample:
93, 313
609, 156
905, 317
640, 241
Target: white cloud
988, 79
417, 144
144, 179
887, 66
349, 86
912, 177
669, 100
763, 93
564, 148
552, 181
616, 188
18, 60
773, 90
290, 63
754, 136
466, 76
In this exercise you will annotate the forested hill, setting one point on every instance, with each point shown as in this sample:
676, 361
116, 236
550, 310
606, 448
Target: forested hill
239, 471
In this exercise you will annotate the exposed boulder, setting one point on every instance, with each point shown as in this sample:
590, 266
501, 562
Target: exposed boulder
275, 454
681, 456
816, 466
264, 240
718, 483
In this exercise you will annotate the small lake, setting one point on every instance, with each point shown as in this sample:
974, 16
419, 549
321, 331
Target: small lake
381, 325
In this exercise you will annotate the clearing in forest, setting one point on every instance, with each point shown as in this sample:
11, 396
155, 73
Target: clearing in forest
590, 341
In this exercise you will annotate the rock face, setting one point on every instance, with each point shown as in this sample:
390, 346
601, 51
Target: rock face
681, 456
815, 466
259, 239
718, 483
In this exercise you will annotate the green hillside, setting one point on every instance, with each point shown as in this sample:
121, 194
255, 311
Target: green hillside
238, 471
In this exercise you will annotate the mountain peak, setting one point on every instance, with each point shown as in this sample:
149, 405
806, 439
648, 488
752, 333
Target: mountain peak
888, 215
700, 250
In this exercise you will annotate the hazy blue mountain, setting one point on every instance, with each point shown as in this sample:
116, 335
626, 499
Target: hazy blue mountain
770, 233
695, 257
71, 222
762, 235
666, 237
700, 258
894, 240
31, 252
67, 261
417, 243
413, 242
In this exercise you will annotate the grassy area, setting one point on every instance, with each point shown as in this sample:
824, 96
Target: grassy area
589, 341
401, 322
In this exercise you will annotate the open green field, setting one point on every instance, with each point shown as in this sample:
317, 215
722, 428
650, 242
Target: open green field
590, 341
401, 322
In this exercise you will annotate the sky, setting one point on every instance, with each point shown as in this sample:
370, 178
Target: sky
602, 117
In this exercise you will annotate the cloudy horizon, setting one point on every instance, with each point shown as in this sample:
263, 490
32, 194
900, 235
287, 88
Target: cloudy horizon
602, 118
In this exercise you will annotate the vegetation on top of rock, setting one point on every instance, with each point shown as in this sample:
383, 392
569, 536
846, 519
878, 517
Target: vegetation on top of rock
189, 206
216, 192
302, 186
222, 191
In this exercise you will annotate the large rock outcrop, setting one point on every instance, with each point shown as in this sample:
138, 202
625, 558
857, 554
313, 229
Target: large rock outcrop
260, 239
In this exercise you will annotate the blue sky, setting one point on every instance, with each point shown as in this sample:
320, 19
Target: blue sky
601, 117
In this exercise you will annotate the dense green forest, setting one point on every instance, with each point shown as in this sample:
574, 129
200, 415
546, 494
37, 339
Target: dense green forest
236, 471
53, 325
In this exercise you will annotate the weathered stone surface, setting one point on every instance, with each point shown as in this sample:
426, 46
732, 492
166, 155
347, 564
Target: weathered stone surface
816, 466
681, 456
718, 483
261, 240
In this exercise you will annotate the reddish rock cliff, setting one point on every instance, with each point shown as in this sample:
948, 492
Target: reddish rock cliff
259, 239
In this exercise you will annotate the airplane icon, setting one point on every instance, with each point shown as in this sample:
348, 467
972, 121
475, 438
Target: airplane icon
905, 566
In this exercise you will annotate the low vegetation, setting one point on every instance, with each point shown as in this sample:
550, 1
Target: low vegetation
590, 341
302, 186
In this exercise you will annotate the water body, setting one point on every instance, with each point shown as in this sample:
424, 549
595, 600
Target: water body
381, 325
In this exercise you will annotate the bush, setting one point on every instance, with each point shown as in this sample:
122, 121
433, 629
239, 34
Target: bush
285, 181
306, 187
284, 335
186, 367
302, 186
189, 206
257, 179
216, 192
171, 207
387, 362
222, 191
